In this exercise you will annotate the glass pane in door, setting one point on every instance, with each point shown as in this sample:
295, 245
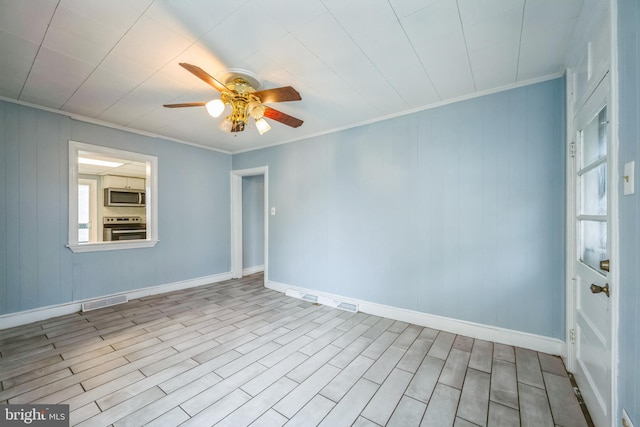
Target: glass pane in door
592, 181
594, 191
594, 139
594, 243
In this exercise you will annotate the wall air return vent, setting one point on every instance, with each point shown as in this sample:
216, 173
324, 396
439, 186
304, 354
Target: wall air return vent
320, 299
104, 302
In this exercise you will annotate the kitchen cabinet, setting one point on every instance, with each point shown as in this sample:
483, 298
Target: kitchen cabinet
129, 182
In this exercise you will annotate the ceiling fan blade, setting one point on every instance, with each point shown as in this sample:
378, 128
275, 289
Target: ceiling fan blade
186, 104
204, 76
281, 117
279, 94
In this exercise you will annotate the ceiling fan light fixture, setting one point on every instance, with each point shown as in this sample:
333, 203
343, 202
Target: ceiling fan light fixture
256, 109
215, 107
226, 124
262, 126
239, 89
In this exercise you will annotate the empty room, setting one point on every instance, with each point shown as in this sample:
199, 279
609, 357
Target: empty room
319, 213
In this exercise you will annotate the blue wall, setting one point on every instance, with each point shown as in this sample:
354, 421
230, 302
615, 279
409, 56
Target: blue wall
629, 137
36, 269
252, 221
455, 211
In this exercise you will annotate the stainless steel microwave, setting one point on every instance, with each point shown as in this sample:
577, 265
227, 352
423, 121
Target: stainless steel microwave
124, 197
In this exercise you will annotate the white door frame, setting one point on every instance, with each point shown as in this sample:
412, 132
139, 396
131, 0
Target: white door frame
236, 219
570, 321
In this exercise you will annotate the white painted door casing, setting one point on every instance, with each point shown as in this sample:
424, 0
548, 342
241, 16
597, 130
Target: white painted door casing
236, 219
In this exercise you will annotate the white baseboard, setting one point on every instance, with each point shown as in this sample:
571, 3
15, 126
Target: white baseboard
460, 327
252, 270
455, 326
29, 316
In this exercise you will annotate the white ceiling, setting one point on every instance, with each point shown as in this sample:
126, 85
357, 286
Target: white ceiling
353, 61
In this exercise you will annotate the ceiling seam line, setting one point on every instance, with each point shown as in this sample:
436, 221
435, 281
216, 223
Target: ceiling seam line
366, 56
524, 6
97, 66
328, 66
168, 62
194, 43
424, 68
35, 57
466, 47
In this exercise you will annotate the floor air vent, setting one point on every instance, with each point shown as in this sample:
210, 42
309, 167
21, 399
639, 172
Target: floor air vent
319, 299
105, 302
310, 298
348, 307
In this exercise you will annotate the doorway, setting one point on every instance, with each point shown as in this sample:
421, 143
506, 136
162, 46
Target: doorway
238, 216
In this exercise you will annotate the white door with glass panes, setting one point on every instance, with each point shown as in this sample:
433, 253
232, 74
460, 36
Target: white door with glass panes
593, 317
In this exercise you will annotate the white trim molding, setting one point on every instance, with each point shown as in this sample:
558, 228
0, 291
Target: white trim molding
38, 314
615, 217
455, 326
236, 219
151, 190
252, 270
570, 224
412, 111
94, 121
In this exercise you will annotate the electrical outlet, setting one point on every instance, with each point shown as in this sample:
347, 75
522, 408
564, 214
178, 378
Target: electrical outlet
626, 422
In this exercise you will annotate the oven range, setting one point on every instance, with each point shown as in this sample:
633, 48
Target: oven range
123, 228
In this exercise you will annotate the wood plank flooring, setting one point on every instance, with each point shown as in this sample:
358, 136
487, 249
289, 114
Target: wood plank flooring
237, 354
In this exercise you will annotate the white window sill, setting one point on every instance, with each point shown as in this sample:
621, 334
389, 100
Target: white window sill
111, 246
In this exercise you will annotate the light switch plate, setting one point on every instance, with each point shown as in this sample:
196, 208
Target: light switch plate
628, 177
273, 211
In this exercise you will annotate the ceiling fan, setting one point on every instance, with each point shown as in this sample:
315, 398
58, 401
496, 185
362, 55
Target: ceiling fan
238, 88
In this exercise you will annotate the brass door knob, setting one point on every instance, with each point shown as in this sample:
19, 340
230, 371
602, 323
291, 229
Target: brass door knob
597, 289
604, 265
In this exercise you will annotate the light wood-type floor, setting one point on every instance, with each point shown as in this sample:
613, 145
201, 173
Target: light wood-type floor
235, 353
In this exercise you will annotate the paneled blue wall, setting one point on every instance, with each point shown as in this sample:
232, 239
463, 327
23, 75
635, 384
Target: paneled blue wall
252, 221
456, 211
36, 269
629, 137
